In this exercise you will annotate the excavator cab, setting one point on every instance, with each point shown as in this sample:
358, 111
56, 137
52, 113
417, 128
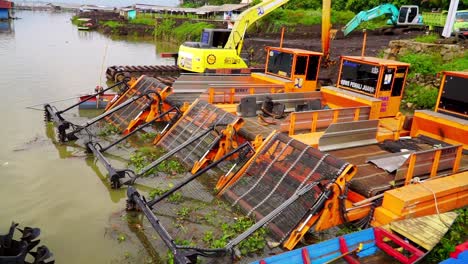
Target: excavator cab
211, 38
375, 77
409, 15
209, 53
296, 69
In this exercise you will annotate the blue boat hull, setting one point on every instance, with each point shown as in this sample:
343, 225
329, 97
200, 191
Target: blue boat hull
330, 249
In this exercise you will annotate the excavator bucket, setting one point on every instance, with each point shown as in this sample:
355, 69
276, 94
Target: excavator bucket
200, 118
283, 168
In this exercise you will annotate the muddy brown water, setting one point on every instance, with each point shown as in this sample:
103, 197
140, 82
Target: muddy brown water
57, 188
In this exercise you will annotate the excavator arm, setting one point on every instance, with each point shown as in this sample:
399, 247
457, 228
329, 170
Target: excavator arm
247, 18
384, 9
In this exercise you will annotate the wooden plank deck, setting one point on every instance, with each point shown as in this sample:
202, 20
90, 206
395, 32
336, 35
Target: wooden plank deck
425, 231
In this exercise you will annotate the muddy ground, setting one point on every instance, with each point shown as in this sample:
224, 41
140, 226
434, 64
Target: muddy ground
309, 38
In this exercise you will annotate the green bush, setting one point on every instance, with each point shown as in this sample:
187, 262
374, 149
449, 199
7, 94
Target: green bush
431, 63
457, 64
164, 28
111, 24
426, 64
456, 235
143, 21
253, 243
421, 97
431, 38
190, 31
341, 17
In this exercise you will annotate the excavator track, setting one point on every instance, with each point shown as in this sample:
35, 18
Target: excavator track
166, 74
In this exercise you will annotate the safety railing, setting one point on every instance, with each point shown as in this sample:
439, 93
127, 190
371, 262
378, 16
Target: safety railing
430, 162
227, 94
311, 121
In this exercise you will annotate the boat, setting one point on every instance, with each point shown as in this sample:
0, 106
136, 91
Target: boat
84, 23
459, 256
405, 241
98, 102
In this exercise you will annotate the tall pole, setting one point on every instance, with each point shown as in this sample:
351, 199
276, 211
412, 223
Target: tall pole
363, 51
326, 26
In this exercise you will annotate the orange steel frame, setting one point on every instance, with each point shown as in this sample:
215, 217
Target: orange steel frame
441, 90
225, 145
232, 93
293, 67
440, 127
379, 79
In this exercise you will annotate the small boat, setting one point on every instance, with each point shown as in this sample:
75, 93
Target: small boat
459, 256
98, 102
84, 23
405, 241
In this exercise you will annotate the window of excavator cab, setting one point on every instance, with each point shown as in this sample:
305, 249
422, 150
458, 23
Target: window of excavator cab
360, 77
301, 65
312, 68
387, 79
280, 63
399, 81
412, 14
402, 16
205, 37
220, 38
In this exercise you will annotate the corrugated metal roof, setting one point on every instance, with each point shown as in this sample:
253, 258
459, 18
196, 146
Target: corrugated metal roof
201, 10
376, 60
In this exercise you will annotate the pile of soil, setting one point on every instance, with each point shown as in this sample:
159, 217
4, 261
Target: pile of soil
309, 38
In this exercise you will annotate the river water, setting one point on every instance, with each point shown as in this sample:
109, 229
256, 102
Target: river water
43, 58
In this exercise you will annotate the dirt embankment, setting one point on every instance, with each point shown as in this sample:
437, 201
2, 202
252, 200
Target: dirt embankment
304, 37
309, 38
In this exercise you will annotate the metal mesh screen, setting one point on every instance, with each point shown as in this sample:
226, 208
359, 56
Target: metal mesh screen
283, 167
122, 118
201, 117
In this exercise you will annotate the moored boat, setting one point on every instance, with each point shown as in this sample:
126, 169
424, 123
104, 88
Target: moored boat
98, 102
406, 241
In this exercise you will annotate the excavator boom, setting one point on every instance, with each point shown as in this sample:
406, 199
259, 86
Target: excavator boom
247, 18
384, 9
217, 49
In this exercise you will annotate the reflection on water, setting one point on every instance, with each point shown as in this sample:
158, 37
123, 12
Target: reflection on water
58, 187
6, 27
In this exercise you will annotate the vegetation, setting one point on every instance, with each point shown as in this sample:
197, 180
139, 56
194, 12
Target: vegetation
353, 5
143, 21
253, 243
430, 38
175, 198
456, 235
109, 129
145, 155
427, 64
111, 23
148, 137
420, 97
166, 30
190, 31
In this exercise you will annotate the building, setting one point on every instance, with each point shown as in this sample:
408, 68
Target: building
5, 9
128, 13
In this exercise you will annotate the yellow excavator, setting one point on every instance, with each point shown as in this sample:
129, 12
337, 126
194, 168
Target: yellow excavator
221, 48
